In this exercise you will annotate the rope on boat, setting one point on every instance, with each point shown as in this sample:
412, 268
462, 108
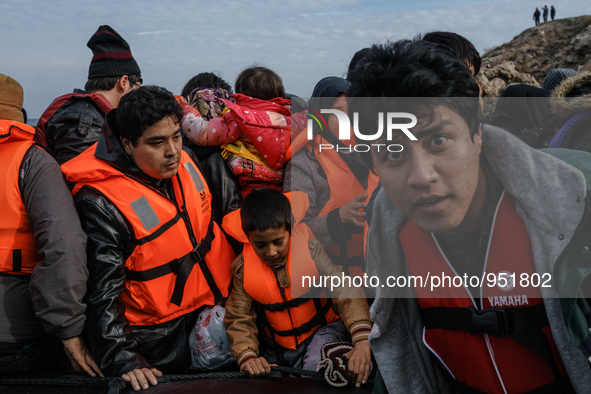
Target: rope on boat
116, 384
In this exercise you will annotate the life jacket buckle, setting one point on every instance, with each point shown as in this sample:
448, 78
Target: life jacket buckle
197, 255
203, 248
492, 321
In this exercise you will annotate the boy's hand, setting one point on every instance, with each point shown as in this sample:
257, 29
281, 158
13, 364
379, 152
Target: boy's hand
256, 367
359, 364
140, 377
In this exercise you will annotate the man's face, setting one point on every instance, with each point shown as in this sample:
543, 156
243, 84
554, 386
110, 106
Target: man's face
158, 150
434, 180
270, 245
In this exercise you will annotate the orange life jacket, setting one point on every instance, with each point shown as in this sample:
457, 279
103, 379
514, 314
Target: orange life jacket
18, 246
98, 100
344, 186
294, 313
171, 238
511, 349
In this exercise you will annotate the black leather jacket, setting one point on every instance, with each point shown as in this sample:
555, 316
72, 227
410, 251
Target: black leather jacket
73, 128
118, 347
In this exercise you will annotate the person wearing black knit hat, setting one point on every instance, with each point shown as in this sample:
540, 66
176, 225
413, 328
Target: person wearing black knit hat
73, 122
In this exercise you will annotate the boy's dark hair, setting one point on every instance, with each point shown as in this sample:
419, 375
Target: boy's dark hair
458, 46
205, 80
143, 107
411, 69
108, 83
260, 82
265, 209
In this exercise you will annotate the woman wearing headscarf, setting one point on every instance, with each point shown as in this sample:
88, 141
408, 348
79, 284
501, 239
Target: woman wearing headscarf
334, 180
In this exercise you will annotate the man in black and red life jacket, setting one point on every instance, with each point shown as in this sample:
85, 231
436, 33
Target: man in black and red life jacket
42, 254
156, 259
461, 201
73, 122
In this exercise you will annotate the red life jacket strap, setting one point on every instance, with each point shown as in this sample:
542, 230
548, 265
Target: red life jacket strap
319, 319
523, 324
492, 321
182, 268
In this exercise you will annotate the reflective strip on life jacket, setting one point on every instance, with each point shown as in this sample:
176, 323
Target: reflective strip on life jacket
508, 349
18, 245
171, 238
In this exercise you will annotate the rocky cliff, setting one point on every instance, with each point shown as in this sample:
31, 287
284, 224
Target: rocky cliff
529, 56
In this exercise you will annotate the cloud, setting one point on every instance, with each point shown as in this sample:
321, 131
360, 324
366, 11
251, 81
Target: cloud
44, 43
157, 32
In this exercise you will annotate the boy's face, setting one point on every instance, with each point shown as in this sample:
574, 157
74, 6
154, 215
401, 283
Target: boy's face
436, 181
270, 245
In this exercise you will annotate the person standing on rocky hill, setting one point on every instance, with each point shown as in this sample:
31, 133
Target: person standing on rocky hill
545, 14
537, 16
552, 12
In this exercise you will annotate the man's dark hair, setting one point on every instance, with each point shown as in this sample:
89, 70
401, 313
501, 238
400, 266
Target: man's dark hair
205, 80
357, 58
265, 209
143, 107
108, 83
458, 46
259, 82
411, 69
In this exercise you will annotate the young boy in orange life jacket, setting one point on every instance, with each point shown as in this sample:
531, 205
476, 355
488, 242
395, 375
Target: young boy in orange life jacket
276, 256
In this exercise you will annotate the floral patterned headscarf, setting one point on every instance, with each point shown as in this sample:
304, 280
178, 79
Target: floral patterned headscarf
207, 101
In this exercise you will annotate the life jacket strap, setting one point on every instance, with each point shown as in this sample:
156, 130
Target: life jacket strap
319, 319
182, 268
281, 306
17, 259
523, 324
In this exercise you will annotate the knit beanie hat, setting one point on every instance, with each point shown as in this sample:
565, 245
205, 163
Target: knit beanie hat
11, 99
556, 76
112, 56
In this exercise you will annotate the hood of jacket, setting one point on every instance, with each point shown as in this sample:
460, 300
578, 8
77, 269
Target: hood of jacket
572, 96
15, 130
550, 197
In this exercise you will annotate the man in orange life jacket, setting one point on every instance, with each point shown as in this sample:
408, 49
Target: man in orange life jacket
73, 122
467, 200
267, 278
155, 257
42, 253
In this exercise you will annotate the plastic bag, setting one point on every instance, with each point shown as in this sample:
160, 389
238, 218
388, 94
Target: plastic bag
210, 347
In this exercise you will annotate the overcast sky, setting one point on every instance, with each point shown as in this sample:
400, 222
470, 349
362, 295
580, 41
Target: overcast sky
43, 43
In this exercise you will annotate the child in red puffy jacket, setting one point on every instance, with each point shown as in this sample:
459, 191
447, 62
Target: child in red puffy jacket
255, 131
